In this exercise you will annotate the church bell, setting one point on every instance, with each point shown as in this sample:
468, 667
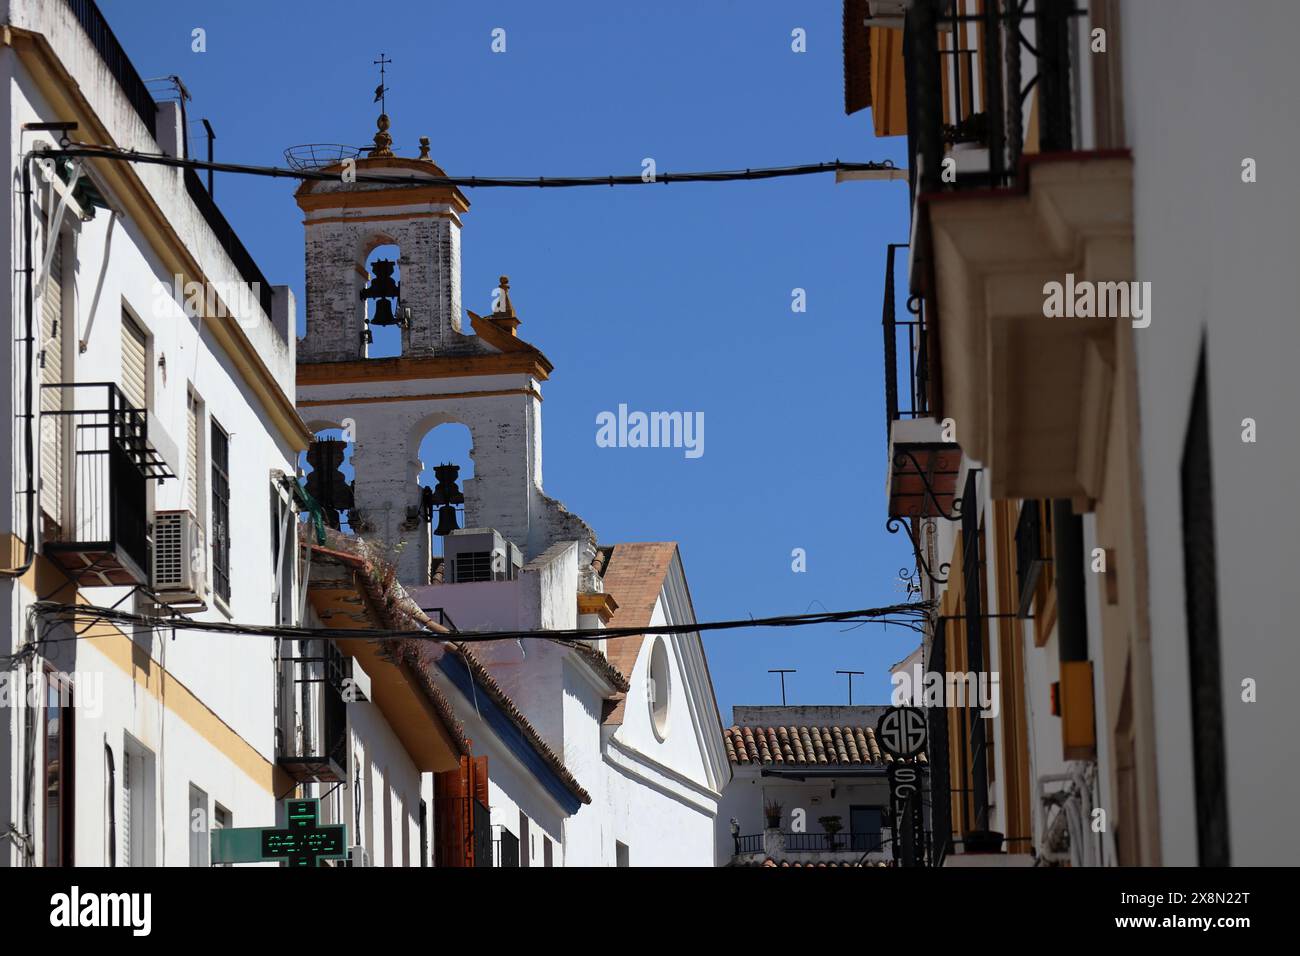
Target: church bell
384, 313
383, 288
446, 521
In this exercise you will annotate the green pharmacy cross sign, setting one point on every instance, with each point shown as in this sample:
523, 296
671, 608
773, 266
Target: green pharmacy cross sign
303, 842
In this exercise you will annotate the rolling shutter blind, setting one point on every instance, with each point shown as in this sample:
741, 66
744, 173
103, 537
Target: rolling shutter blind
134, 374
192, 455
128, 821
52, 398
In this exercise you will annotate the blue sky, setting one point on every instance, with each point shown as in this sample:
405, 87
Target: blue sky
662, 297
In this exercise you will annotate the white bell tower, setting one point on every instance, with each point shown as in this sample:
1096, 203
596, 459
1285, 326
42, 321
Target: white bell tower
487, 379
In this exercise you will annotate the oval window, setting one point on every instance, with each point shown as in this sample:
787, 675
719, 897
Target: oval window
659, 687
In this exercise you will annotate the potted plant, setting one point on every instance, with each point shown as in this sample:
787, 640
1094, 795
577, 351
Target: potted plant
772, 810
832, 825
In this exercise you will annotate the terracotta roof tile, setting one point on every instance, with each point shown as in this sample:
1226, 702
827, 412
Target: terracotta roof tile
806, 864
634, 574
483, 678
396, 610
600, 662
805, 746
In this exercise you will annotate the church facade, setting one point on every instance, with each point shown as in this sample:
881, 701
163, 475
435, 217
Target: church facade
599, 751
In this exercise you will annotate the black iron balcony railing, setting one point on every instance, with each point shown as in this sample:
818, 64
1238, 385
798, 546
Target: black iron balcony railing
507, 845
963, 91
319, 750
119, 64
1030, 553
440, 616
749, 843
482, 818
137, 93
103, 537
816, 842
230, 241
906, 350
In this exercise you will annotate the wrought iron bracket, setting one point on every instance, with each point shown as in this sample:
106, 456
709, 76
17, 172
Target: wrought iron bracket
901, 458
906, 574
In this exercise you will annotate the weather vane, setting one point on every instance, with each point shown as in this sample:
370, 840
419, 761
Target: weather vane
381, 90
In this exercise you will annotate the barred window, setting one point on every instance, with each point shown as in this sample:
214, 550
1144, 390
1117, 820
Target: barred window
220, 511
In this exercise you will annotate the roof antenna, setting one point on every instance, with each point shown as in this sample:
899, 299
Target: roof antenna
782, 671
851, 675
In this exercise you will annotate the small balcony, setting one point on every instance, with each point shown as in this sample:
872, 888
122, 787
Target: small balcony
318, 750
810, 849
923, 465
984, 87
106, 459
1006, 208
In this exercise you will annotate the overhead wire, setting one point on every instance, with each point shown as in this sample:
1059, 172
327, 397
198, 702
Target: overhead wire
91, 150
912, 616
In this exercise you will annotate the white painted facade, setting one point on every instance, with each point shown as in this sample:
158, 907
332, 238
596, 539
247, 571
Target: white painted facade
195, 711
1229, 282
833, 790
654, 791
1198, 96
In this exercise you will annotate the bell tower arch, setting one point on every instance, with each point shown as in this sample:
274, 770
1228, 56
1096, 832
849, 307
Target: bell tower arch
485, 377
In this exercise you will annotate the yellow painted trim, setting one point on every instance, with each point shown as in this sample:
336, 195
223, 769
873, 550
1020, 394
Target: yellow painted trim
160, 684
12, 549
44, 578
363, 198
431, 397
61, 91
387, 217
420, 367
602, 604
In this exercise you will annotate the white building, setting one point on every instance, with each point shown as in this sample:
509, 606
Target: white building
159, 449
809, 787
162, 369
1088, 491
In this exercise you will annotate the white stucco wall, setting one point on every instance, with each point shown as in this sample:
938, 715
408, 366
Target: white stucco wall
1204, 90
109, 266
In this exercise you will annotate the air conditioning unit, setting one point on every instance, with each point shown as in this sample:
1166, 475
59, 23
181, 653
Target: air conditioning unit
358, 856
480, 554
180, 558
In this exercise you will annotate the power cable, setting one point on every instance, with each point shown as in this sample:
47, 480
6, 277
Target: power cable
912, 616
93, 151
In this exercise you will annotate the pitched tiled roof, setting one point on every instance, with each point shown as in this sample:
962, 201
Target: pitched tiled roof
807, 864
634, 574
600, 662
484, 679
857, 57
387, 606
805, 746
411, 653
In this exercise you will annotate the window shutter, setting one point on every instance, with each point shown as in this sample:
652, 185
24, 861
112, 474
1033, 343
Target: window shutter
52, 398
192, 456
450, 800
134, 363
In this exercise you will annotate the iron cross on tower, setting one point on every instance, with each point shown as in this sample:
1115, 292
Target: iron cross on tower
381, 90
